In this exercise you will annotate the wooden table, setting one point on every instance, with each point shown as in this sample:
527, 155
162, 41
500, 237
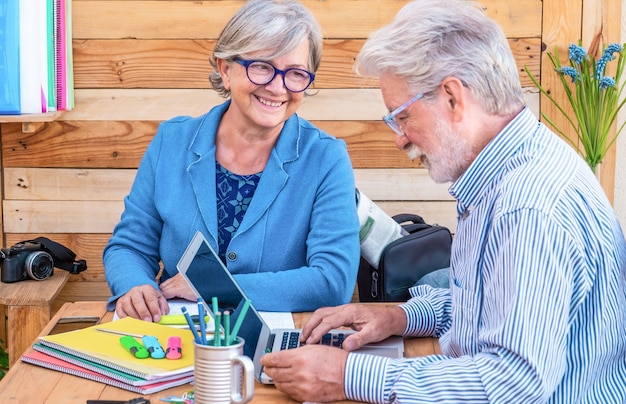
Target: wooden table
26, 383
28, 305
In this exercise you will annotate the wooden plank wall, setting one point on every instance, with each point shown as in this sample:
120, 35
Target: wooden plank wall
137, 63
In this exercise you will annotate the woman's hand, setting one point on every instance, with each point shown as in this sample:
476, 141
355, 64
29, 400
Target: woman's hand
142, 302
176, 286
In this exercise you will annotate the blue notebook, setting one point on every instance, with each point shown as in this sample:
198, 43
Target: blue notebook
9, 58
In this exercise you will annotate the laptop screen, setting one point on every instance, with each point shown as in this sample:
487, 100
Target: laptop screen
210, 278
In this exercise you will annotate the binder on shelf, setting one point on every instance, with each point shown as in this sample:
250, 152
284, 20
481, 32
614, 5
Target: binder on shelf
61, 55
42, 58
9, 58
30, 58
50, 53
69, 59
36, 60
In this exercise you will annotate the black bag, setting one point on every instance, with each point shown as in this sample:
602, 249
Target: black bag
405, 261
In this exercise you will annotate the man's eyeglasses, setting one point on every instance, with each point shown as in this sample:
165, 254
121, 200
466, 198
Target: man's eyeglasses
390, 119
261, 73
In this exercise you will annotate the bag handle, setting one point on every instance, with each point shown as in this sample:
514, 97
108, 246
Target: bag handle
412, 222
408, 217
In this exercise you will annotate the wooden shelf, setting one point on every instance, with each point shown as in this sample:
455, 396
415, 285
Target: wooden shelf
30, 122
47, 117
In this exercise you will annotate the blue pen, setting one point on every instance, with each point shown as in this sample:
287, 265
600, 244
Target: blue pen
202, 323
192, 326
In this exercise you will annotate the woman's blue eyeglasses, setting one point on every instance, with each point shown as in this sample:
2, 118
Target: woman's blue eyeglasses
390, 119
261, 73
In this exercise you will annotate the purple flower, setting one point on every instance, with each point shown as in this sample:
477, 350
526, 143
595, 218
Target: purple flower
577, 53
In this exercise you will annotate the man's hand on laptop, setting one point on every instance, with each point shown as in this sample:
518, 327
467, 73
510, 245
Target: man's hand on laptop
372, 322
143, 302
309, 373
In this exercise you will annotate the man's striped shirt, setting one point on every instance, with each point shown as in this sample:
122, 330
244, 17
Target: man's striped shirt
536, 310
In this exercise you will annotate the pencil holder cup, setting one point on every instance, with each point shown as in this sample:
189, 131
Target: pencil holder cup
222, 374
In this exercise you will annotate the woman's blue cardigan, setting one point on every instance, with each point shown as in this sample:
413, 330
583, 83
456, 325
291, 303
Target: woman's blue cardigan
297, 247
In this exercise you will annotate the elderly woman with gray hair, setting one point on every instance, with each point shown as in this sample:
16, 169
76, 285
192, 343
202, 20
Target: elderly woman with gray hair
273, 194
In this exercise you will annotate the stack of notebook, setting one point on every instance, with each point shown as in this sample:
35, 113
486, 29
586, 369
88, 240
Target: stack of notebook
97, 355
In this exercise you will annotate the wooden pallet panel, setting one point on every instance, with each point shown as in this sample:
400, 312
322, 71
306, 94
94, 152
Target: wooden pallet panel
183, 63
205, 19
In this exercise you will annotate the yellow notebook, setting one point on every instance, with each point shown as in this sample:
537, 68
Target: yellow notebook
105, 348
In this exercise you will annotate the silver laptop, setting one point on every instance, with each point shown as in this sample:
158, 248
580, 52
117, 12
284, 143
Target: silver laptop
208, 277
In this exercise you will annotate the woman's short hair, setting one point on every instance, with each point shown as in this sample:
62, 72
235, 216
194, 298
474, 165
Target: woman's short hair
431, 40
275, 27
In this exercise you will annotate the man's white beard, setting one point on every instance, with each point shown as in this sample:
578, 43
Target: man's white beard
445, 164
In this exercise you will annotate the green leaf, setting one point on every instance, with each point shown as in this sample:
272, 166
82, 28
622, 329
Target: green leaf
4, 361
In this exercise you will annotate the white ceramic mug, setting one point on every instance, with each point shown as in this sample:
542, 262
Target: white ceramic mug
222, 374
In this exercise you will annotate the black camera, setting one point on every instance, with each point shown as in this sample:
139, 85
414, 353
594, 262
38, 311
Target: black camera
26, 260
36, 259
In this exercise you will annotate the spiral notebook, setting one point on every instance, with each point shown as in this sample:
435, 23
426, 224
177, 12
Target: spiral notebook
105, 348
112, 373
103, 375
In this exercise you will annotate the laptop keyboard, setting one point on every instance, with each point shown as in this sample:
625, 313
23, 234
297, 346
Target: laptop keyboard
333, 339
291, 340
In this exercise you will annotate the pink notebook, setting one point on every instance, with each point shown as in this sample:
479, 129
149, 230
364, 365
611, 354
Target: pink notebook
61, 54
103, 375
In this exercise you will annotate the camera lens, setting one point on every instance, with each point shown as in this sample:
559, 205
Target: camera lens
39, 265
